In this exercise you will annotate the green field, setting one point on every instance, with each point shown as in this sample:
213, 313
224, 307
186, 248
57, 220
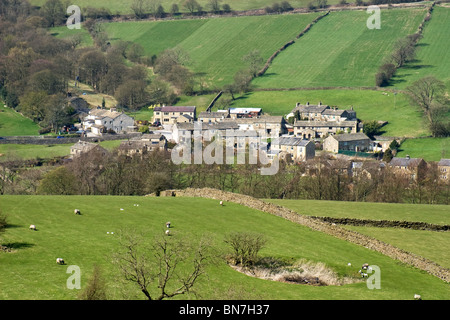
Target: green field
64, 32
340, 50
429, 244
30, 272
434, 214
403, 119
432, 149
35, 151
13, 123
215, 46
123, 7
433, 54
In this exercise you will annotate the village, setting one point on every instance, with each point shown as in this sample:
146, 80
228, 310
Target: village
308, 131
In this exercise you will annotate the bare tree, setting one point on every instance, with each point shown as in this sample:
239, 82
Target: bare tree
425, 92
169, 266
245, 247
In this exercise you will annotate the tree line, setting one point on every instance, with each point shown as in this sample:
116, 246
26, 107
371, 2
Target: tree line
318, 179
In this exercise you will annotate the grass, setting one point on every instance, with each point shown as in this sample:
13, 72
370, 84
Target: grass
34, 151
215, 46
433, 53
431, 149
403, 119
427, 244
123, 7
64, 32
435, 214
13, 123
340, 50
30, 272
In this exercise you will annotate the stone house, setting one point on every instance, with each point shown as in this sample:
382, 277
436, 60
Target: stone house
82, 147
296, 148
444, 169
307, 129
347, 142
101, 121
264, 125
410, 167
172, 114
213, 116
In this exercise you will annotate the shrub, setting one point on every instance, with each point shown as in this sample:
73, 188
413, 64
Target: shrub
245, 247
381, 79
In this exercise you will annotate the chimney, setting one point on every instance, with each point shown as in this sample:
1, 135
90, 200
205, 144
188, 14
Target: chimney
408, 157
307, 103
320, 103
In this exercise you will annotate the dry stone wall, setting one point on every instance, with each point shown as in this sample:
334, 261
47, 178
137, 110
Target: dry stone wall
318, 225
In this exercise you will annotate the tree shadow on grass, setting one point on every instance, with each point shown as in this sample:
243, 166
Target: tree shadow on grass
14, 246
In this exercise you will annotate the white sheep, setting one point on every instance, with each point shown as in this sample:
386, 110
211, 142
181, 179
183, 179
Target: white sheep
365, 266
168, 224
33, 227
221, 203
167, 232
417, 297
77, 211
59, 260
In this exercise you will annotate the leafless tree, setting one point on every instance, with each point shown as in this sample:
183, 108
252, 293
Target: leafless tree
166, 267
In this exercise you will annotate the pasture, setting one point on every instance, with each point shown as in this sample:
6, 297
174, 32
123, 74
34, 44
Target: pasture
433, 53
30, 271
124, 7
340, 50
432, 149
215, 45
12, 123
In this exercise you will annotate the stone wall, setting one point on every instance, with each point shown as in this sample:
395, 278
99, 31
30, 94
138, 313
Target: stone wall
327, 227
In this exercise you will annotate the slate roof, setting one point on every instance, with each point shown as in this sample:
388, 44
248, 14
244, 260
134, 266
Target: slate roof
175, 109
350, 136
444, 163
405, 162
289, 141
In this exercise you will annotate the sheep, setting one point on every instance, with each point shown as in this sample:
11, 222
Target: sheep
168, 224
167, 232
417, 297
221, 203
349, 264
33, 227
77, 211
365, 266
59, 260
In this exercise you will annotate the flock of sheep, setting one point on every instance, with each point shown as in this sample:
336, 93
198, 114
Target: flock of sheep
363, 272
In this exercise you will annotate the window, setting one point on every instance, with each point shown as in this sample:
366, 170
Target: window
166, 113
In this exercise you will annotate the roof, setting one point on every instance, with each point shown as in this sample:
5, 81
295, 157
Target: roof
244, 110
310, 108
290, 141
324, 123
350, 136
333, 112
105, 113
176, 109
133, 144
444, 162
84, 145
205, 114
405, 162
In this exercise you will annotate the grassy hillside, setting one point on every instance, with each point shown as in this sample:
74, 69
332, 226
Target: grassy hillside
432, 149
430, 244
13, 123
215, 46
30, 272
340, 50
403, 119
433, 54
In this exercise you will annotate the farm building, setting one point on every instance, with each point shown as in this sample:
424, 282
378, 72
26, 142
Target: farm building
347, 142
